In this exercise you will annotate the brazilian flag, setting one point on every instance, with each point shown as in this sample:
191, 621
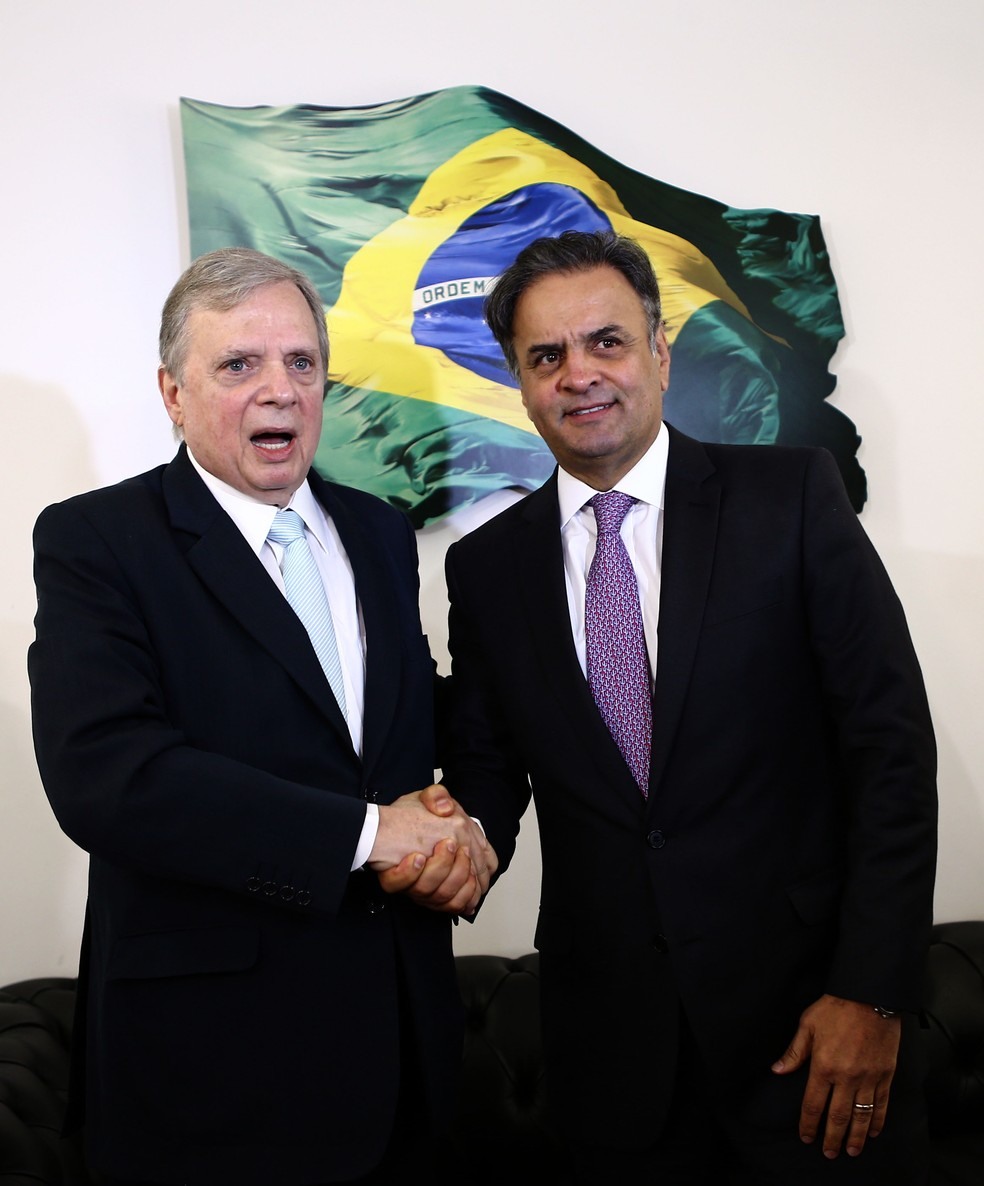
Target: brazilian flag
403, 214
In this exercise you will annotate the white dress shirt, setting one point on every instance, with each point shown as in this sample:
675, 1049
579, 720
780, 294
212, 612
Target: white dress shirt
254, 520
642, 534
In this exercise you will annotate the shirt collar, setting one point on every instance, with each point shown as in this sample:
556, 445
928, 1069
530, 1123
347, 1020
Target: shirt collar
645, 481
254, 518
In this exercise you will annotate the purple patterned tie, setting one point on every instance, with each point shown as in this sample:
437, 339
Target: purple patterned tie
617, 660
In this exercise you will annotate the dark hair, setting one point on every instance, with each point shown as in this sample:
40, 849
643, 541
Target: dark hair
220, 281
573, 251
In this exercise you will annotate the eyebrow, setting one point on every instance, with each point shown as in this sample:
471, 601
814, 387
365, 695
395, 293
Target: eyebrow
255, 351
613, 329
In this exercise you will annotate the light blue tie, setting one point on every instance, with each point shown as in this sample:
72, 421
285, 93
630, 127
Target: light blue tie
306, 593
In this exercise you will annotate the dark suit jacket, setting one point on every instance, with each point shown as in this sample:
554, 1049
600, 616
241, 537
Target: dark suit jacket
240, 983
787, 847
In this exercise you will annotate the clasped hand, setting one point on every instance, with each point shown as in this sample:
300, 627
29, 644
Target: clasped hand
429, 848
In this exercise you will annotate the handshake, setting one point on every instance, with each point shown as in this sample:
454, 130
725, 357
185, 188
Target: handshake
427, 847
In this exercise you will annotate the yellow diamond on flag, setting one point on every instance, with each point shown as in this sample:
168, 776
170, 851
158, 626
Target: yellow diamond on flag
408, 318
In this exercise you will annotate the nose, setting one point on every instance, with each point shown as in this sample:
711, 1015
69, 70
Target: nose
277, 385
578, 372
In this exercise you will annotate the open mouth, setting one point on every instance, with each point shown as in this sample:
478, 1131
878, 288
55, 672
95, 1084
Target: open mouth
273, 442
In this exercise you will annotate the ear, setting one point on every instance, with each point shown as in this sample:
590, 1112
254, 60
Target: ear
171, 394
662, 353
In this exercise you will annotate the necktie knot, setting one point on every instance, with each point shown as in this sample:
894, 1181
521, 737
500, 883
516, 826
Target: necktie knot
610, 509
287, 527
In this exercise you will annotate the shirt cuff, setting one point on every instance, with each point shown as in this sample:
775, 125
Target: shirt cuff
368, 837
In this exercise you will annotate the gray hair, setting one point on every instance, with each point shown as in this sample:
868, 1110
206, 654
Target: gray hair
573, 251
220, 281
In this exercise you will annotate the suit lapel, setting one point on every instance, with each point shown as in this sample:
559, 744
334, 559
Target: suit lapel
690, 524
226, 565
540, 566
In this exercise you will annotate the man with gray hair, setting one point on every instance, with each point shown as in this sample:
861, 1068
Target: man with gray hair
233, 714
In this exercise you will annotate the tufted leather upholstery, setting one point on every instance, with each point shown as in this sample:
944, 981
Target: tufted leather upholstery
500, 1125
501, 1099
35, 1032
955, 1039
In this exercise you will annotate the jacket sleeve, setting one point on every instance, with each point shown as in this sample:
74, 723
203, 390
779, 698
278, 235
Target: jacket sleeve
127, 780
482, 768
874, 693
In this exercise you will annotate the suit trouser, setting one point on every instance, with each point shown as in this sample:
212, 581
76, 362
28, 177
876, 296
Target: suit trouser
750, 1136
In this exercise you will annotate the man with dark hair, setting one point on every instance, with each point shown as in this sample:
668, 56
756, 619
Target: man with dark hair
694, 655
233, 714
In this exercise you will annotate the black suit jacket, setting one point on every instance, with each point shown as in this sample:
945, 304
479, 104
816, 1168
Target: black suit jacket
239, 984
787, 847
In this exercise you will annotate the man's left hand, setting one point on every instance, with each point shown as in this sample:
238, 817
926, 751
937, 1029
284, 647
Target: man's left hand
445, 881
852, 1053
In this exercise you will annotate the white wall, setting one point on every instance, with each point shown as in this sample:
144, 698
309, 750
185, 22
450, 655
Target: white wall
868, 113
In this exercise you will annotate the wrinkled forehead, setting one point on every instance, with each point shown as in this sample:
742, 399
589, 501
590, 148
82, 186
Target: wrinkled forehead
279, 308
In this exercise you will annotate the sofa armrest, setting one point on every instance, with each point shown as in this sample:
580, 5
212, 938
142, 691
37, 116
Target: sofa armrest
955, 1047
35, 1037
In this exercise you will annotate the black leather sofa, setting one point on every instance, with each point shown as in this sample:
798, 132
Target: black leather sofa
500, 1124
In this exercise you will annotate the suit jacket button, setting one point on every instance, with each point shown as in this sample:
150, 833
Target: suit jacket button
287, 893
303, 897
375, 906
269, 888
656, 839
253, 884
660, 945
